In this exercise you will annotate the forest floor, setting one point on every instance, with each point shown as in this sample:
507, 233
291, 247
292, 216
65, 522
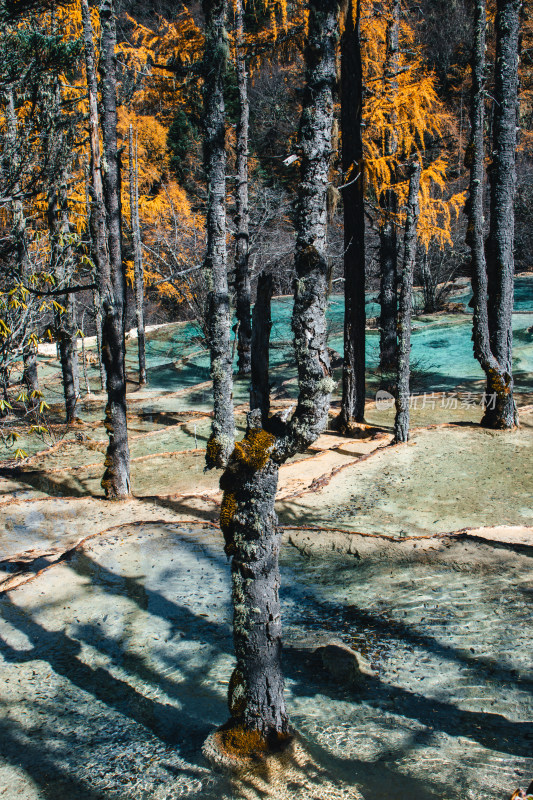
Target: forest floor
115, 618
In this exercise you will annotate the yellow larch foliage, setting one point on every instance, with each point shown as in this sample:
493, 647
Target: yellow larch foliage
409, 99
169, 228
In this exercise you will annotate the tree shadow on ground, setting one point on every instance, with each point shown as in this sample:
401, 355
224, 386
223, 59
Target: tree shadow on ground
185, 725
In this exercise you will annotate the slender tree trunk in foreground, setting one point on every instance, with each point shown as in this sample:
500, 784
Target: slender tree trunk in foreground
97, 305
492, 328
62, 266
388, 247
242, 273
110, 271
258, 715
353, 376
220, 444
30, 375
261, 327
84, 361
138, 275
500, 247
68, 350
401, 422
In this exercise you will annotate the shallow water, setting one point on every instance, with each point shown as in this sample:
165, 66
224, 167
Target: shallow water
445, 479
114, 669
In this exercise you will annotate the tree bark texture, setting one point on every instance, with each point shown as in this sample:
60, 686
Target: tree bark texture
242, 272
500, 247
138, 272
111, 279
388, 246
260, 351
401, 422
492, 319
61, 255
248, 519
30, 376
97, 306
353, 378
62, 266
220, 444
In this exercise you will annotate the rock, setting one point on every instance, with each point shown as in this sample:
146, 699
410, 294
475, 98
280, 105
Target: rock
346, 665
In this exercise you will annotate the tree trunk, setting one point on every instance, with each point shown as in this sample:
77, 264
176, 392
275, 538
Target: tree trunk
68, 349
247, 519
84, 361
388, 250
401, 422
97, 305
137, 258
242, 273
30, 376
261, 327
62, 266
500, 411
429, 285
111, 280
253, 540
220, 444
353, 376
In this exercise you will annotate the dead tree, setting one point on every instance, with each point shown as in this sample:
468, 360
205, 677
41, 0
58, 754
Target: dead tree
248, 519
220, 444
353, 376
388, 247
138, 272
401, 422
242, 235
107, 240
493, 267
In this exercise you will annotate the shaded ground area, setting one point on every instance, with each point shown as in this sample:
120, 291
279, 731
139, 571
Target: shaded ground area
115, 619
114, 668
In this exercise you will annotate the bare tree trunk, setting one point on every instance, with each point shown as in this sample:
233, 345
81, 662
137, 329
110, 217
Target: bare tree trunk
137, 258
30, 375
388, 251
500, 409
97, 305
353, 377
97, 242
261, 327
429, 285
242, 272
84, 362
108, 255
62, 261
248, 519
401, 422
220, 444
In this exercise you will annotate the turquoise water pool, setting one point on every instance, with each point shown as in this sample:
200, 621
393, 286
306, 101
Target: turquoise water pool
442, 354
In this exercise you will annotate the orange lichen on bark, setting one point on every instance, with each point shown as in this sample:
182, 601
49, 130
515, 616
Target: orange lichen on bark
240, 743
254, 450
227, 510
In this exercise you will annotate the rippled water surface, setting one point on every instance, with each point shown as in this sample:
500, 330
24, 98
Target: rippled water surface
114, 669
